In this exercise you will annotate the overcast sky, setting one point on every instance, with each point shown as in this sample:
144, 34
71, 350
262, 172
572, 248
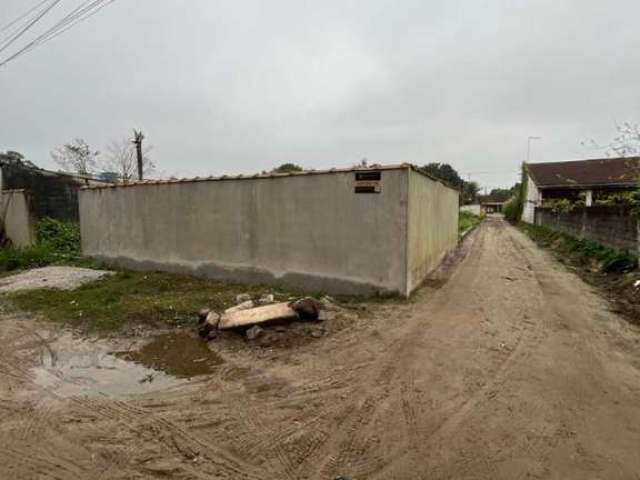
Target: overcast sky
241, 86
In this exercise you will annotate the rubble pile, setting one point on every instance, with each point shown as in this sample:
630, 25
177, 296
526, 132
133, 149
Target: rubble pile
253, 315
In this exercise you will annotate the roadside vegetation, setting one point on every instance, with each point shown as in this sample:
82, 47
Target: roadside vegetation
606, 259
58, 243
467, 221
127, 299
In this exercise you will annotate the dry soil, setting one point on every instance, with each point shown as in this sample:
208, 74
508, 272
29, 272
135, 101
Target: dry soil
511, 368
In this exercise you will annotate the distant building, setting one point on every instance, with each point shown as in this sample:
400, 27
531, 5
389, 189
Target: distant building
51, 194
578, 179
491, 207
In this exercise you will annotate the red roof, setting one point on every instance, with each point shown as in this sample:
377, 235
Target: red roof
603, 172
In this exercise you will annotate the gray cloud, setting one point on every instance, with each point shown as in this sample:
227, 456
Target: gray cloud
237, 87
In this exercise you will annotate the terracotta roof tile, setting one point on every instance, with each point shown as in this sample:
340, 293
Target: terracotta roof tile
615, 172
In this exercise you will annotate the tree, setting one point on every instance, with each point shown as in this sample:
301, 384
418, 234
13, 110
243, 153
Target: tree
625, 144
287, 168
76, 157
444, 172
470, 192
122, 159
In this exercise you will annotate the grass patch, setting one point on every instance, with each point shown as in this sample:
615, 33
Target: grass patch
152, 298
467, 220
58, 243
609, 259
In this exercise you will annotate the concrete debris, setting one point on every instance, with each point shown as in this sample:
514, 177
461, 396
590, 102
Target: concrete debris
202, 315
324, 316
266, 299
328, 303
243, 297
307, 308
247, 304
257, 315
254, 332
213, 318
209, 328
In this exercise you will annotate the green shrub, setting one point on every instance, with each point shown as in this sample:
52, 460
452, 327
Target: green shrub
57, 243
610, 259
467, 220
62, 237
513, 210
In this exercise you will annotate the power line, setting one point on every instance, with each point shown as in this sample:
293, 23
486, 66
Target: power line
28, 26
23, 16
79, 14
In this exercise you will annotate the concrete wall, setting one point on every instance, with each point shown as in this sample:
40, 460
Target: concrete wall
611, 226
15, 214
533, 200
432, 226
308, 231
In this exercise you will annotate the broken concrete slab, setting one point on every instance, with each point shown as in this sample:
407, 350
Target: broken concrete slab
257, 315
241, 306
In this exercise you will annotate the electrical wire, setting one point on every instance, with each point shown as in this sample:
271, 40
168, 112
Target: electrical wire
30, 24
23, 16
84, 11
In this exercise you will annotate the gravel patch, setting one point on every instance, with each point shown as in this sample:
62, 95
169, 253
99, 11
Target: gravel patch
63, 278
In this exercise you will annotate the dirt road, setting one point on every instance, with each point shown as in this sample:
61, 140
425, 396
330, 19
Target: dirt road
512, 368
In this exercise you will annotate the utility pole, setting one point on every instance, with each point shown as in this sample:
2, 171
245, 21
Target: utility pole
529, 147
138, 137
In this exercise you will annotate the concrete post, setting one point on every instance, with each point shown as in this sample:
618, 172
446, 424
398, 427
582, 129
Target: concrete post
589, 200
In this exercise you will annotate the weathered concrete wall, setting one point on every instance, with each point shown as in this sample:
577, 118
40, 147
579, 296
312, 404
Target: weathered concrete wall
15, 214
533, 200
432, 226
308, 231
611, 226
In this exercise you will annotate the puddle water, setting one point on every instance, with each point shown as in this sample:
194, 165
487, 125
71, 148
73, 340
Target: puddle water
177, 354
72, 366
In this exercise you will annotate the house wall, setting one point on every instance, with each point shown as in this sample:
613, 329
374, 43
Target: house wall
611, 226
432, 226
16, 217
307, 231
533, 200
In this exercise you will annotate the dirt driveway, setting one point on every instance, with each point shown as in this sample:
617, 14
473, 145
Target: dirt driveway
512, 368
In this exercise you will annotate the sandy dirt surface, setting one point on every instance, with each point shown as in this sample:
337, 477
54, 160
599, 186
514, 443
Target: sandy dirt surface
512, 368
63, 278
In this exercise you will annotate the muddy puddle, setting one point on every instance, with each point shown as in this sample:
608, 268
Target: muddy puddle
71, 366
177, 354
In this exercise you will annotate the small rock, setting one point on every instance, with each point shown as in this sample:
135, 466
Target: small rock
202, 314
324, 316
307, 308
266, 299
243, 297
317, 333
241, 306
213, 318
207, 332
254, 332
328, 303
